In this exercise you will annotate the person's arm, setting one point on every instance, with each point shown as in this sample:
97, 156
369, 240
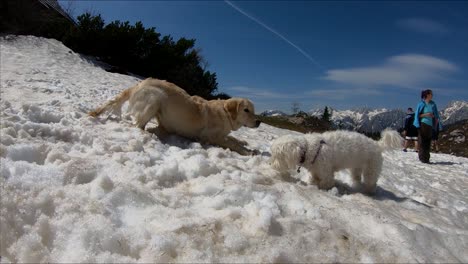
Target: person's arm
426, 115
437, 117
416, 115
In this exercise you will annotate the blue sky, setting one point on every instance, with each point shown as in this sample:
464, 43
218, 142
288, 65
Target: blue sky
343, 54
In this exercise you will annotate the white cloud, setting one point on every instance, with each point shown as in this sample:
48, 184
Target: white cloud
423, 25
441, 91
265, 99
248, 92
408, 70
342, 93
423, 61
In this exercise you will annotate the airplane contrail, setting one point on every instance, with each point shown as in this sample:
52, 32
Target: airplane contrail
276, 33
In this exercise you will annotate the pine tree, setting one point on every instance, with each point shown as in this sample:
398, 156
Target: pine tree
326, 115
295, 107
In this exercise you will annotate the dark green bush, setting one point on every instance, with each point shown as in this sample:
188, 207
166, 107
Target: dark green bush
140, 50
128, 48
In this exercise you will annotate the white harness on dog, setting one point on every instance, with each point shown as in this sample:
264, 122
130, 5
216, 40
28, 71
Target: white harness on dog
303, 156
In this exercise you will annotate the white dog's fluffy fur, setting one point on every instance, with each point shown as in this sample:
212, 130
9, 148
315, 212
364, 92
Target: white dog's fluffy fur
324, 154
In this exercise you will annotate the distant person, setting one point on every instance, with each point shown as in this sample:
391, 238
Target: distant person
426, 117
410, 131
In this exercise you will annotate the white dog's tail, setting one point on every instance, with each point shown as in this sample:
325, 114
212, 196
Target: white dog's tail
390, 139
114, 105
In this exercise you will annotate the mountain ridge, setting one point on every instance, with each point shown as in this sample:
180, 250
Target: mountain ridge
370, 120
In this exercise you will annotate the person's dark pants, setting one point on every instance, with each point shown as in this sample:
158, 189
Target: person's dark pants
424, 140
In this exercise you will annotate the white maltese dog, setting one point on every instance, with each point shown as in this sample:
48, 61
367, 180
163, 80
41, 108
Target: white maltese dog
324, 154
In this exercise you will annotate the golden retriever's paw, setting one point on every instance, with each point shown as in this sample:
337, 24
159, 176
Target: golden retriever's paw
93, 113
236, 141
255, 152
246, 152
243, 143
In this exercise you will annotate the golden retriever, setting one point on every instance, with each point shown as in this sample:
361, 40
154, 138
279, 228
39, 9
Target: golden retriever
189, 116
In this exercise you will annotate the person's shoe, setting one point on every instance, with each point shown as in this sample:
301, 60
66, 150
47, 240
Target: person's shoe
405, 150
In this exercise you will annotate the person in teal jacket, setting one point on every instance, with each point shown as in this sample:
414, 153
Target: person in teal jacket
426, 117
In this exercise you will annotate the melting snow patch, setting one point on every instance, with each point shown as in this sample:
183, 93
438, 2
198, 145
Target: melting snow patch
80, 189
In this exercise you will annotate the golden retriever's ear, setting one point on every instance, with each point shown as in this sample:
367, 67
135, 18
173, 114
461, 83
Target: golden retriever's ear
231, 107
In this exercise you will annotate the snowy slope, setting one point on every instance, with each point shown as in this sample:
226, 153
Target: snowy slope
78, 189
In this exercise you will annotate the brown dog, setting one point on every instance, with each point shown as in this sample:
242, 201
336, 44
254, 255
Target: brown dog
189, 116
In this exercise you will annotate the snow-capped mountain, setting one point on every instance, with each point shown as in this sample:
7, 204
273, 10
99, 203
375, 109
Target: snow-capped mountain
273, 113
375, 120
454, 112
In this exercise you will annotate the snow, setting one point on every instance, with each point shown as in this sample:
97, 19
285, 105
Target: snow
454, 112
79, 189
272, 113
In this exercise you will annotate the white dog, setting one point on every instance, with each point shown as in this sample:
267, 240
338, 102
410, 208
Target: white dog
324, 154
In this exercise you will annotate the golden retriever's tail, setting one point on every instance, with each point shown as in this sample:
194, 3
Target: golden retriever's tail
115, 104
